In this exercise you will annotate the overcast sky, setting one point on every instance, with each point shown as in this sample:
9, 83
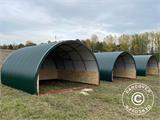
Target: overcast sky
41, 20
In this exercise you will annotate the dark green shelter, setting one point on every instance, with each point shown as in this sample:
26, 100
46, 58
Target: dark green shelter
146, 65
116, 64
25, 68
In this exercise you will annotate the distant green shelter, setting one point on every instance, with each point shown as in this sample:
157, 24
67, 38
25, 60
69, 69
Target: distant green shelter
116, 65
146, 65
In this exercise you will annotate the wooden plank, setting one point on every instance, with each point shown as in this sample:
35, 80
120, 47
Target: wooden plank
80, 76
46, 74
152, 71
89, 77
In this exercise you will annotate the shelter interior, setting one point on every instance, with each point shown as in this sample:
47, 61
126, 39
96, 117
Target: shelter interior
72, 62
124, 67
152, 66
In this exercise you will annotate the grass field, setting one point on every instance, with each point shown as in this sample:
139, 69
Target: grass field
103, 103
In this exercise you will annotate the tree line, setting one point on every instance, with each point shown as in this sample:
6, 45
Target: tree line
17, 46
143, 43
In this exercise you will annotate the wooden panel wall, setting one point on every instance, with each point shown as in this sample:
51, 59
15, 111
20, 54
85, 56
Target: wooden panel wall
71, 75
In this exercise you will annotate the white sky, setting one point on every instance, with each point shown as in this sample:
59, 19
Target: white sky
41, 20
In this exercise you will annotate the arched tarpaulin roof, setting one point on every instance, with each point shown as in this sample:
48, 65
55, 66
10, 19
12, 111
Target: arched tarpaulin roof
22, 68
116, 64
146, 64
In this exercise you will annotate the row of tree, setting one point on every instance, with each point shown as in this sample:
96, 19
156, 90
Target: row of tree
144, 43
14, 46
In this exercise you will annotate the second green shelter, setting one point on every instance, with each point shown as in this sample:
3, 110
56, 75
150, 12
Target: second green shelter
116, 65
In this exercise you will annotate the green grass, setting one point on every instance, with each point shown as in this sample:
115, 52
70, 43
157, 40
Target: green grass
103, 103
